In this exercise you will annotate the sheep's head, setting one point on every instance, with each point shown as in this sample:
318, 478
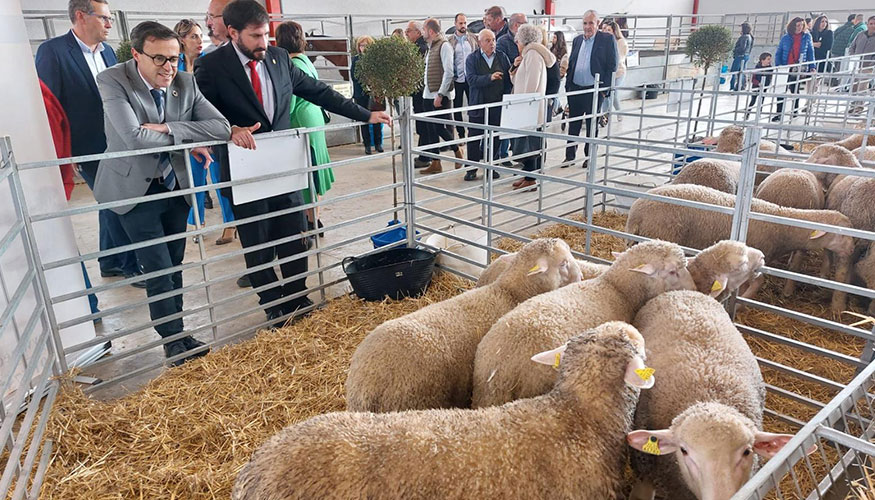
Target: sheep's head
831, 154
714, 446
615, 339
842, 245
660, 264
541, 265
723, 267
730, 139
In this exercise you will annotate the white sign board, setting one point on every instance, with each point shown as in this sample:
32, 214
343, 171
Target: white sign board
272, 155
519, 114
682, 99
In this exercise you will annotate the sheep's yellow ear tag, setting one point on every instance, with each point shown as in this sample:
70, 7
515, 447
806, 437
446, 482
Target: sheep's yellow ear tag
816, 234
534, 270
557, 360
651, 446
645, 373
716, 286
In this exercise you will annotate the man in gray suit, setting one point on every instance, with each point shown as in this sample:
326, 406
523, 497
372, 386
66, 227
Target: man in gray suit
146, 105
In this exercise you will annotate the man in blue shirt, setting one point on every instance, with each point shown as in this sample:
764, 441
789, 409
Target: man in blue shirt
592, 53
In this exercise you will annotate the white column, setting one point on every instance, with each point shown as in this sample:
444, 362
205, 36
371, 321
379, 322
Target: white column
24, 119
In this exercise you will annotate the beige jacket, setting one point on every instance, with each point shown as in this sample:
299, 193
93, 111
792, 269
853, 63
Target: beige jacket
531, 76
622, 51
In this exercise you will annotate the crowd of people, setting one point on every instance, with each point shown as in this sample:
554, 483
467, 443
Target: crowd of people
177, 90
174, 91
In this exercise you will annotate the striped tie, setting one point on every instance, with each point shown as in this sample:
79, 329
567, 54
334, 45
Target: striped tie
164, 160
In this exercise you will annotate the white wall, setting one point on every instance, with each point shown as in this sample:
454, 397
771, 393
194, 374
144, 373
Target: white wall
797, 6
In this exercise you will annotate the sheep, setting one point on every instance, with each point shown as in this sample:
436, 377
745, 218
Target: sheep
501, 371
792, 188
707, 408
699, 228
721, 175
731, 140
865, 155
865, 269
852, 142
424, 359
471, 252
832, 154
569, 443
588, 270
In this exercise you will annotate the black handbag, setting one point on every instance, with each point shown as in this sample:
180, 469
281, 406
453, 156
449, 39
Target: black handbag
325, 116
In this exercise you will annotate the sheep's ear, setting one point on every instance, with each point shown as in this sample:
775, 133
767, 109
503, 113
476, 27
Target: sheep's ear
552, 357
616, 255
816, 234
647, 269
638, 374
767, 444
542, 266
654, 442
718, 286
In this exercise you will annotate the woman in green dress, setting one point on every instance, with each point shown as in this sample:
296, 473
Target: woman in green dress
290, 36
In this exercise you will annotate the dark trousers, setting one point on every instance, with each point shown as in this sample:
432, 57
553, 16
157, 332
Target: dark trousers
366, 128
274, 228
529, 144
579, 105
111, 234
155, 219
436, 131
792, 88
476, 150
421, 126
458, 102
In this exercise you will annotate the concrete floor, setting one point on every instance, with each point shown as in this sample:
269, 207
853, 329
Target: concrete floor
349, 179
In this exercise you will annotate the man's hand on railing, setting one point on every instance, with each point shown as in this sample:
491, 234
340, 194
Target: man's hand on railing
380, 117
161, 128
242, 136
203, 155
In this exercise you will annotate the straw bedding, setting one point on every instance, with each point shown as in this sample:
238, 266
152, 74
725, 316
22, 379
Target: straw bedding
189, 431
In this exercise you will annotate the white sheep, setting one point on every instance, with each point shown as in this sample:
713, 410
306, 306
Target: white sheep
855, 197
721, 175
731, 140
832, 154
701, 424
588, 270
501, 367
699, 228
424, 359
501, 371
853, 141
793, 188
461, 248
569, 443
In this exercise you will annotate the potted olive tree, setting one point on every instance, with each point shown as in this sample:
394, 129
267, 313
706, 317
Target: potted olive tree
388, 69
708, 46
123, 52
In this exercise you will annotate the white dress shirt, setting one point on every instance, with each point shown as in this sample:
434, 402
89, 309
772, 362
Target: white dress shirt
94, 59
266, 84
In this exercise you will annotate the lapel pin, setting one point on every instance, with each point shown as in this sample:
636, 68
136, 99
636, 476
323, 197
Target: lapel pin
175, 93
273, 61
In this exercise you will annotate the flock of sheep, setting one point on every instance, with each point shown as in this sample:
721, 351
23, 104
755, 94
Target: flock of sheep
528, 386
838, 200
534, 383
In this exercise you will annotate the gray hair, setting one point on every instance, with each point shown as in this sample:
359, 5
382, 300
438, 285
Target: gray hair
591, 12
528, 33
417, 25
517, 18
81, 6
484, 30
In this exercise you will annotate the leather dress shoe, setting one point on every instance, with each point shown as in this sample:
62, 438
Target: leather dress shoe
471, 175
136, 284
243, 281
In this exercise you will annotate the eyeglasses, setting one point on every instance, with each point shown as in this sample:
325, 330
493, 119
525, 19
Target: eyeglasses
160, 60
105, 19
210, 17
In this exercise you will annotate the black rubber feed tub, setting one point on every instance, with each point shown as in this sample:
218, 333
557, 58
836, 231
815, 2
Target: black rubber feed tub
396, 272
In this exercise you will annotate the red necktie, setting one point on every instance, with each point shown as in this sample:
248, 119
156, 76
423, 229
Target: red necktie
256, 81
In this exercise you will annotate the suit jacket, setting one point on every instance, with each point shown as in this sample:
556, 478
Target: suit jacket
603, 61
507, 44
127, 104
224, 82
62, 67
479, 77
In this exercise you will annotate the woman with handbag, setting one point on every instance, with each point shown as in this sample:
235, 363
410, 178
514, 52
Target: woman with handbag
364, 100
290, 36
